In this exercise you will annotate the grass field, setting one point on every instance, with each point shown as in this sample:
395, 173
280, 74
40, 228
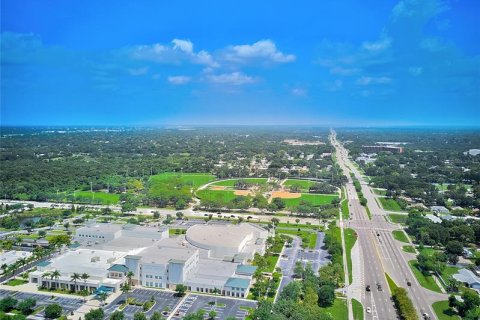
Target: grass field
390, 204
231, 182
102, 197
380, 192
314, 199
443, 311
223, 196
350, 239
338, 310
272, 261
303, 184
194, 179
16, 282
409, 249
309, 239
357, 310
398, 218
400, 236
345, 211
425, 281
444, 187
448, 272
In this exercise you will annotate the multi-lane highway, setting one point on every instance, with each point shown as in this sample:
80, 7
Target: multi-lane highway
379, 252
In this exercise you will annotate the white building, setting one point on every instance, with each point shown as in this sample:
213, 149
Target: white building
209, 257
12, 256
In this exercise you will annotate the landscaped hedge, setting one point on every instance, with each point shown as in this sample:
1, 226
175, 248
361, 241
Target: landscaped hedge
404, 305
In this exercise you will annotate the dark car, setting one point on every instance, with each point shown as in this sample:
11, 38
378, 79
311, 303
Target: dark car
379, 287
368, 288
409, 283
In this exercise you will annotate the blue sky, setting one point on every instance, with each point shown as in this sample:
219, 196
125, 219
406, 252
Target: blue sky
349, 63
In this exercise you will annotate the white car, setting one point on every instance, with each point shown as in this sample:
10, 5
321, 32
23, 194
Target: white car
369, 310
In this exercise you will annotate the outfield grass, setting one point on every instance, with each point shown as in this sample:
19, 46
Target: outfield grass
223, 196
309, 239
398, 218
303, 184
409, 249
357, 310
102, 197
314, 199
390, 204
443, 311
400, 236
425, 281
231, 182
350, 239
194, 179
338, 310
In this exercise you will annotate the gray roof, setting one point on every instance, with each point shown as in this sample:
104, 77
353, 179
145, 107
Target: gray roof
467, 276
237, 283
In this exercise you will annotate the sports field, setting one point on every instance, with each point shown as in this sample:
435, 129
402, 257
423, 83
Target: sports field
304, 185
194, 180
100, 197
222, 196
314, 199
231, 182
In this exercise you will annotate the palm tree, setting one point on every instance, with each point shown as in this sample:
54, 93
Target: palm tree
55, 275
85, 277
4, 267
102, 296
22, 262
125, 288
130, 275
215, 291
45, 275
75, 277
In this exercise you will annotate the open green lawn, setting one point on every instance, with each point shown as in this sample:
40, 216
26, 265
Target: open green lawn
345, 211
102, 197
448, 272
338, 310
16, 282
357, 310
303, 184
380, 192
314, 199
309, 239
425, 281
193, 179
272, 261
443, 311
429, 251
398, 218
400, 236
391, 284
223, 196
350, 239
390, 204
231, 182
444, 186
409, 249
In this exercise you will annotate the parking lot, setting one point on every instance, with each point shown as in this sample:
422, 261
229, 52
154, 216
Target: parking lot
224, 307
165, 302
68, 304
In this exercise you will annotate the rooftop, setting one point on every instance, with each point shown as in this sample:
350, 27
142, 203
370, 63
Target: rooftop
237, 283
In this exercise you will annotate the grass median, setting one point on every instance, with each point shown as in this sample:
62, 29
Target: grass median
357, 310
400, 236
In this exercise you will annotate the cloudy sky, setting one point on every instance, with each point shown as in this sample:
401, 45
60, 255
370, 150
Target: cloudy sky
386, 63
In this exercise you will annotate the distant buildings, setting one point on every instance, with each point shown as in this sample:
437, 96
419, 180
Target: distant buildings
472, 152
208, 257
378, 148
12, 256
439, 210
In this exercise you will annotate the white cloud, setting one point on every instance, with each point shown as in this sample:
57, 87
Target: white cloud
138, 71
183, 45
265, 50
334, 86
377, 46
179, 80
365, 81
234, 78
179, 51
299, 92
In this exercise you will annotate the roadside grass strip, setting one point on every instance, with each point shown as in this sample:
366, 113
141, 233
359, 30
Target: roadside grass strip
357, 310
443, 311
399, 235
425, 281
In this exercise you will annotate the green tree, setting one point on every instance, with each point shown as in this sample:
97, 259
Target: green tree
53, 311
95, 314
326, 296
155, 316
7, 304
117, 315
139, 316
180, 290
26, 306
75, 277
